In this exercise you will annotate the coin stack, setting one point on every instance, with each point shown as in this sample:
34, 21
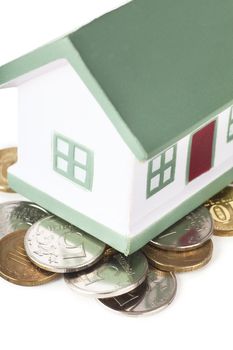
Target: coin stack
185, 246
37, 247
50, 246
221, 209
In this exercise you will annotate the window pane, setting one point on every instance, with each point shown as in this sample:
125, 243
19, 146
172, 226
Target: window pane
63, 147
62, 164
80, 156
156, 164
80, 174
155, 182
167, 174
169, 155
230, 133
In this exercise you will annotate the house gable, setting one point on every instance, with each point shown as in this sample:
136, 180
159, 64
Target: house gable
76, 155
35, 63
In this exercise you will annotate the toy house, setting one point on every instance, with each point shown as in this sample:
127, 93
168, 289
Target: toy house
126, 124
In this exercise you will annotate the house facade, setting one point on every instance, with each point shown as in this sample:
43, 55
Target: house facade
69, 150
182, 171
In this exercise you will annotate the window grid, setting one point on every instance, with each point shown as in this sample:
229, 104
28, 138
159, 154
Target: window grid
164, 166
230, 127
73, 164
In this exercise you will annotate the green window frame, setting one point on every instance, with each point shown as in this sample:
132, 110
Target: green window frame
161, 171
230, 126
73, 161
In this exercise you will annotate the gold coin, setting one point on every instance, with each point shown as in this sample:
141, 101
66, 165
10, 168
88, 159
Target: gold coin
109, 251
223, 233
15, 265
8, 157
221, 210
176, 261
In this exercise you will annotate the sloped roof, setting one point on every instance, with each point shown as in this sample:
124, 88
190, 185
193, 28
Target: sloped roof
159, 68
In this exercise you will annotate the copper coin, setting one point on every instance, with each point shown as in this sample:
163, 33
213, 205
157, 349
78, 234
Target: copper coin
179, 261
8, 157
109, 251
223, 233
15, 265
221, 210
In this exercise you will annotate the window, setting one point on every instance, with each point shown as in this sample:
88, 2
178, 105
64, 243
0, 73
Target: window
161, 171
73, 161
230, 127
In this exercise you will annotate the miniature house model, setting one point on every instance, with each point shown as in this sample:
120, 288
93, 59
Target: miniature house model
126, 124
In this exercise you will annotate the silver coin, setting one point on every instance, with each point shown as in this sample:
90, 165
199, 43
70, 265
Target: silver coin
113, 276
127, 301
158, 291
19, 215
57, 246
189, 233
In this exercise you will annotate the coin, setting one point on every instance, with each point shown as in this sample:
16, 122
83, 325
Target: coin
55, 245
15, 266
179, 261
114, 275
126, 302
221, 210
19, 215
223, 233
188, 233
156, 293
109, 251
8, 157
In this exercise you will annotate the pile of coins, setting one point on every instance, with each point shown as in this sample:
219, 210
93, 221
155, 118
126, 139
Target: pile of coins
221, 210
37, 247
185, 246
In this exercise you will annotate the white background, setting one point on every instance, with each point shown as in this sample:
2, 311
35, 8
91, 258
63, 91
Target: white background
52, 316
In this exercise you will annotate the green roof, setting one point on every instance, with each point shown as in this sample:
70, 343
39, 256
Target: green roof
159, 68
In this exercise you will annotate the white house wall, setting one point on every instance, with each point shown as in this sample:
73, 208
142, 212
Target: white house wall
58, 101
156, 205
145, 212
224, 149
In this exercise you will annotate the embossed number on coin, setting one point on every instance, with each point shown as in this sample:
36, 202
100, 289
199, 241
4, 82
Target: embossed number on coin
221, 209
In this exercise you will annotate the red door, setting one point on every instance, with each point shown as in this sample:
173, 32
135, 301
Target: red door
201, 151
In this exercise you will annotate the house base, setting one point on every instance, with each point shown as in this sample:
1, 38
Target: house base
126, 245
